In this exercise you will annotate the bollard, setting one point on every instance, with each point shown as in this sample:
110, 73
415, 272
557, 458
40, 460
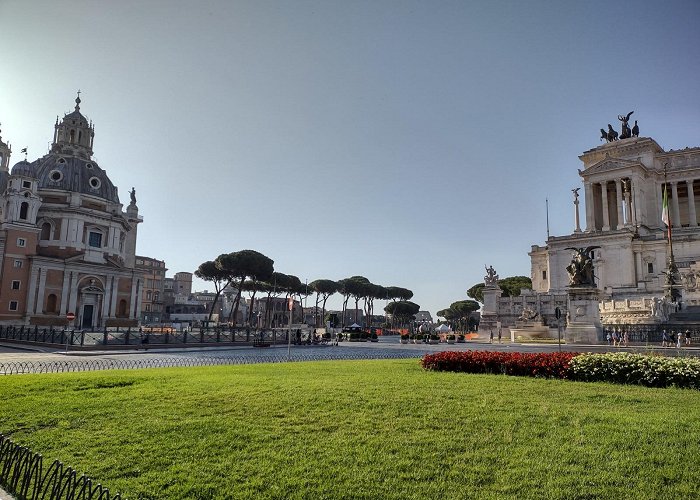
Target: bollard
82, 337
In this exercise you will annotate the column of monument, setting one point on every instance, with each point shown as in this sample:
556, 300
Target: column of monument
691, 204
618, 199
606, 212
676, 215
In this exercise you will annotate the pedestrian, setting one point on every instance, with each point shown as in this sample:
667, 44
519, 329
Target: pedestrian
491, 336
664, 339
608, 337
626, 338
499, 334
687, 337
678, 340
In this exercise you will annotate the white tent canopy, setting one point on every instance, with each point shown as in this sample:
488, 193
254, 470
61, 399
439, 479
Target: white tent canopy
443, 328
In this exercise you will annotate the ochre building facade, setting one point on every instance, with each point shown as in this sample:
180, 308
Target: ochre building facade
67, 246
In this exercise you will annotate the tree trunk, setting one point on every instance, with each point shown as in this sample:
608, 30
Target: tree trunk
234, 311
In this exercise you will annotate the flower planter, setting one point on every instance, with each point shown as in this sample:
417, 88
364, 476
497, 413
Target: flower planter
404, 341
434, 341
449, 341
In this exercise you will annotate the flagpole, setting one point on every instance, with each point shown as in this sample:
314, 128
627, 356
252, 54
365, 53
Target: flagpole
546, 202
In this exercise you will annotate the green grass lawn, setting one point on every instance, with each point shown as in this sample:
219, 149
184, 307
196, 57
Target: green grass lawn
357, 429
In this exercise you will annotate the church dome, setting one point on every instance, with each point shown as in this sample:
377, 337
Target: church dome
73, 173
23, 168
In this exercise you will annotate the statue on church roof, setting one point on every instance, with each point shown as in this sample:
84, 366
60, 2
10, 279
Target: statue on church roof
132, 193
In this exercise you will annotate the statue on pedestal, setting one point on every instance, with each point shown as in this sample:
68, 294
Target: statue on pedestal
581, 268
491, 277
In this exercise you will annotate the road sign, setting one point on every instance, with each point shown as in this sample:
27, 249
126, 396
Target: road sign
70, 316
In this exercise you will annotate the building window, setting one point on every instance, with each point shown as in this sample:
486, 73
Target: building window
55, 175
26, 184
148, 295
650, 267
95, 239
15, 284
21, 242
95, 182
13, 305
51, 303
544, 275
45, 231
18, 264
121, 310
148, 308
23, 210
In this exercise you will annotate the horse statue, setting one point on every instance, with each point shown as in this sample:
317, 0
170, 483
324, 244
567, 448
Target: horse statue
612, 134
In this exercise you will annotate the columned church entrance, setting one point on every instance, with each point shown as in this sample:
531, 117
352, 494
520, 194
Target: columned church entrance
91, 297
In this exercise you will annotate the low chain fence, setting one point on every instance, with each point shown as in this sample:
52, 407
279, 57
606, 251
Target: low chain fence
22, 367
23, 475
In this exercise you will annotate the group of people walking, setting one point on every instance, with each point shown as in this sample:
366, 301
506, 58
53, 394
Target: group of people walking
618, 339
677, 339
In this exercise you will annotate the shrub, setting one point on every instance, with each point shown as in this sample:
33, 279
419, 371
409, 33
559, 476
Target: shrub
515, 363
451, 336
625, 368
373, 336
406, 336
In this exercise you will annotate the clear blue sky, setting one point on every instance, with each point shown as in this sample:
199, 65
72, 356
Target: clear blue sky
411, 142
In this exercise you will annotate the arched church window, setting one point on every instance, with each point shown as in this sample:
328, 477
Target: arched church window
23, 210
121, 310
72, 137
51, 303
80, 135
45, 231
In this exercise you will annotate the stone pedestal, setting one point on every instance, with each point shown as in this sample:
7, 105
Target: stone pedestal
583, 324
489, 313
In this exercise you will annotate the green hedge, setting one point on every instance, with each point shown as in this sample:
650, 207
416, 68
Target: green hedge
638, 369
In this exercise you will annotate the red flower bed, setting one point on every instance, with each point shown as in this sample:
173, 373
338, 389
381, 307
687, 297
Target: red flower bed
550, 365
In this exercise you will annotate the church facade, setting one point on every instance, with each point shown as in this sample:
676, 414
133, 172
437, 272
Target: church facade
623, 185
67, 246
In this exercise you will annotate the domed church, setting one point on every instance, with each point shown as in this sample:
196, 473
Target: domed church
67, 246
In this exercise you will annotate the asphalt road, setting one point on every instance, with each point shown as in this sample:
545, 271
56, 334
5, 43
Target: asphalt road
387, 348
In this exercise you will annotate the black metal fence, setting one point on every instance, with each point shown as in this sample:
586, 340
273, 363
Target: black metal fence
135, 337
651, 334
23, 475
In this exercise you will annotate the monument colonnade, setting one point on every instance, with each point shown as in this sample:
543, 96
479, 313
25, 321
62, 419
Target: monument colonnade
612, 204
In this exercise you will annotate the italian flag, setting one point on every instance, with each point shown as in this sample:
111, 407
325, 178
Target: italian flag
664, 208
